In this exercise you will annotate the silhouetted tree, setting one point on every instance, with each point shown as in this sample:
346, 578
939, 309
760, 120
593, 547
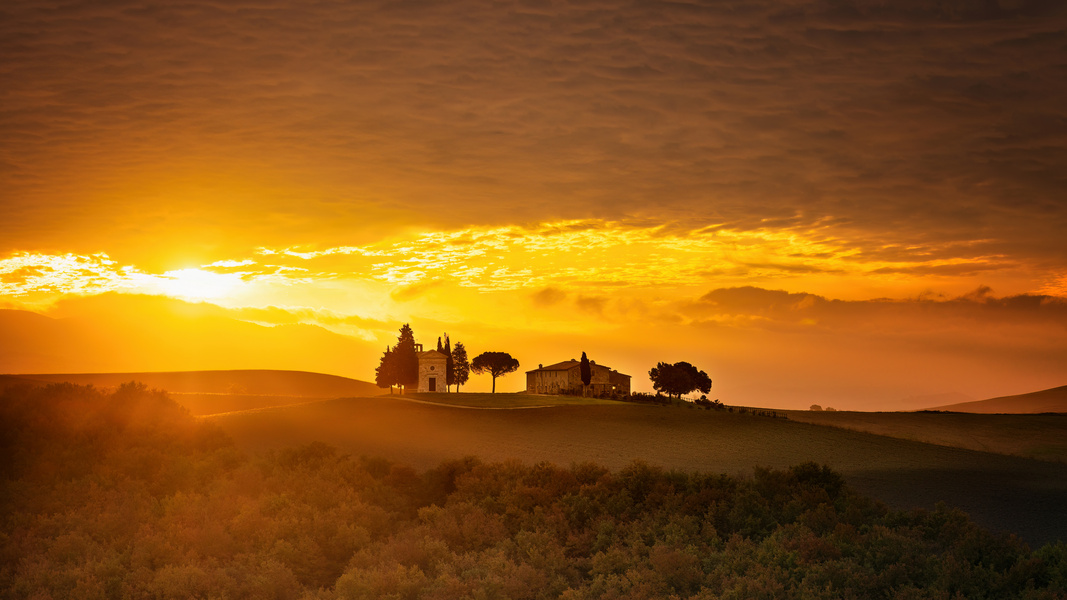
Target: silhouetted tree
450, 370
461, 367
666, 378
815, 407
678, 379
586, 372
702, 381
385, 374
407, 364
494, 363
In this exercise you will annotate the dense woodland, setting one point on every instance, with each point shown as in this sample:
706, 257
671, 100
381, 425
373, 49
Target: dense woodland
124, 495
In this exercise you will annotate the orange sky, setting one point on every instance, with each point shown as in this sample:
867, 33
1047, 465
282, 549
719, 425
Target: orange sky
843, 203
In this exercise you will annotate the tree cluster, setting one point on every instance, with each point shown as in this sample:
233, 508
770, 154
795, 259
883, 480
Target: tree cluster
399, 365
125, 495
461, 366
679, 379
450, 363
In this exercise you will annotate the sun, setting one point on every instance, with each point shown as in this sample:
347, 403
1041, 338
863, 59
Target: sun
197, 284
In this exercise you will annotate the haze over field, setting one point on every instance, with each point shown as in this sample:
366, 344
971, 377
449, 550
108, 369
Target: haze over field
842, 203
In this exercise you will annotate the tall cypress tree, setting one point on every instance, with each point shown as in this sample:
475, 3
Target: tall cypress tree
407, 363
385, 374
461, 366
586, 372
450, 365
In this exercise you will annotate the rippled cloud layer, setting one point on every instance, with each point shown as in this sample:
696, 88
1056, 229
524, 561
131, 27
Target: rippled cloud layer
236, 124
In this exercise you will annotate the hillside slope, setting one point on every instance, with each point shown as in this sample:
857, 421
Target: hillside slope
216, 392
1040, 436
1051, 400
1024, 496
241, 381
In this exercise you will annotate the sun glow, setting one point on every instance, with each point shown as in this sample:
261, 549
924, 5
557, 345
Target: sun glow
197, 284
586, 258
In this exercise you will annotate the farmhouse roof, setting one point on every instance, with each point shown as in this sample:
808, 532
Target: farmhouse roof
431, 354
567, 365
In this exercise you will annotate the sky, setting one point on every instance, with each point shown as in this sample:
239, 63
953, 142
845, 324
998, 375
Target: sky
852, 203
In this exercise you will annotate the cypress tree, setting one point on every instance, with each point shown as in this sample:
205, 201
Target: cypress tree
385, 374
450, 365
407, 363
461, 367
586, 372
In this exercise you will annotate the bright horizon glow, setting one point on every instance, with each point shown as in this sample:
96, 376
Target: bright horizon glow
547, 292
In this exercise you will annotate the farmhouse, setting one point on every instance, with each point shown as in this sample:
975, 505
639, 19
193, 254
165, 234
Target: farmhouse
433, 369
567, 376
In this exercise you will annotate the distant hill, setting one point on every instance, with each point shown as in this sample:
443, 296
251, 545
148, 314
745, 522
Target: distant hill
1052, 400
245, 382
928, 400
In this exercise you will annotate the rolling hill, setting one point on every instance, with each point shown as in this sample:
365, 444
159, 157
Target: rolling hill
1052, 400
1028, 497
214, 392
258, 382
1040, 436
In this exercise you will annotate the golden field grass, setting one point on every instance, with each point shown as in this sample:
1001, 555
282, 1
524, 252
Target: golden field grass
501, 401
257, 382
201, 405
1025, 496
205, 404
1042, 437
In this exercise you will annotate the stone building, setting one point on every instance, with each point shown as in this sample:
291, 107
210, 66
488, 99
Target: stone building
566, 376
433, 371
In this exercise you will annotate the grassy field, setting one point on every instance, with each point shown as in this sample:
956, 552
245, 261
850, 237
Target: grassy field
481, 400
1042, 437
257, 382
212, 404
1024, 496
